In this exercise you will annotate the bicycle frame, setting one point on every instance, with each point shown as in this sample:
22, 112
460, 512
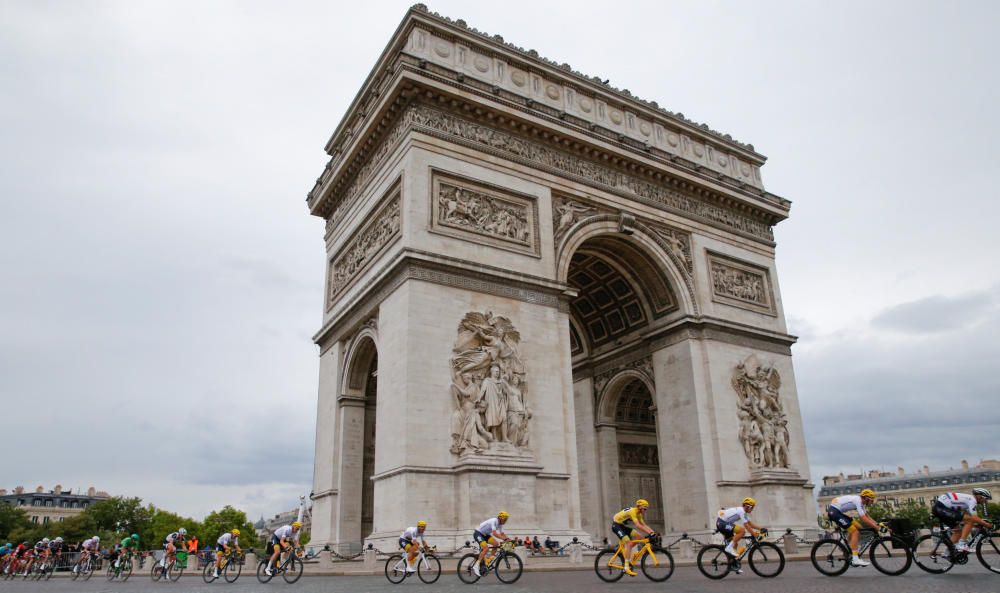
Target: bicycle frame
646, 548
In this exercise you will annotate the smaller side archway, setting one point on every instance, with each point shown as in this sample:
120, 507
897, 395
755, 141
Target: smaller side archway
358, 405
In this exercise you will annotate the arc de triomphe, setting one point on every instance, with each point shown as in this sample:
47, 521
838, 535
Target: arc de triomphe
547, 296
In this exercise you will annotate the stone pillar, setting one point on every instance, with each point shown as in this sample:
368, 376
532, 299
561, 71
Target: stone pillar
351, 448
607, 447
791, 543
326, 469
586, 451
369, 559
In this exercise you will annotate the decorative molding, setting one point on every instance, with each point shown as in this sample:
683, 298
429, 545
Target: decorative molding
740, 284
364, 247
483, 213
643, 365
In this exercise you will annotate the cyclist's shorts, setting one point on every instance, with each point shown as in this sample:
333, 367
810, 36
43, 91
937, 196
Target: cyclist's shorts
274, 544
622, 531
726, 529
404, 543
950, 517
482, 538
221, 549
837, 517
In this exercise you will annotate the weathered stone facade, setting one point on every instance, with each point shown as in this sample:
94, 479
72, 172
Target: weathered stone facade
545, 296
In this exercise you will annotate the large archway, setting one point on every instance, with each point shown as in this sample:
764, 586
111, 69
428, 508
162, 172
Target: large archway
638, 449
361, 387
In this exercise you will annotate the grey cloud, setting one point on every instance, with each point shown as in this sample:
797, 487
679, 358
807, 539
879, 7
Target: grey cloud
937, 313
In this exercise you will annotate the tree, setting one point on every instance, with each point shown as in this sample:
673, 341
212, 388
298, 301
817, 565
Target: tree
164, 523
12, 519
120, 515
226, 519
919, 515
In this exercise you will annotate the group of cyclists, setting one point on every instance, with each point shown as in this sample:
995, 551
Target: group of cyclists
19, 560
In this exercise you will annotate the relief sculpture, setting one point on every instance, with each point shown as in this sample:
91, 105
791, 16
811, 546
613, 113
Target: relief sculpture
738, 284
360, 250
763, 424
477, 212
488, 386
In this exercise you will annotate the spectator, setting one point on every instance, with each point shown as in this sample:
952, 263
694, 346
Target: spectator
536, 546
551, 545
193, 545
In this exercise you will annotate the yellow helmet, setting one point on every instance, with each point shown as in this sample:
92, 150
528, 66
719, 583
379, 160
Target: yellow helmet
503, 515
296, 523
421, 524
236, 532
868, 493
642, 503
750, 501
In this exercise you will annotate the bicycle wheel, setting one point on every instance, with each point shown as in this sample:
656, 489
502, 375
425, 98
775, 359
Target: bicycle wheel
890, 555
713, 562
395, 569
262, 575
767, 560
233, 570
175, 571
208, 573
465, 573
932, 554
88, 571
111, 572
429, 569
830, 557
988, 551
156, 572
49, 569
657, 565
508, 568
606, 569
292, 570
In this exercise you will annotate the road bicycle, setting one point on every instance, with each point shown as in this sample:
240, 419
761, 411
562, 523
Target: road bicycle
654, 561
289, 566
936, 554
428, 567
173, 570
84, 567
889, 554
121, 568
765, 559
505, 564
232, 565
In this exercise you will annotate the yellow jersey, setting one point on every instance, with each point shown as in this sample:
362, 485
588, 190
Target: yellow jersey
625, 515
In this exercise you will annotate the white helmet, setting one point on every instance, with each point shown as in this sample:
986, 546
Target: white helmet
58, 540
45, 540
182, 531
97, 538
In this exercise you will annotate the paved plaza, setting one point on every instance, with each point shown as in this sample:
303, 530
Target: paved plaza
798, 577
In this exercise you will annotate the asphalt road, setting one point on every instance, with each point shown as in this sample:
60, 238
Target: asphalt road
798, 577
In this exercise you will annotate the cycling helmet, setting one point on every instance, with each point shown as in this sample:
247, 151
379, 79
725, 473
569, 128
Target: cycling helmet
236, 533
868, 493
45, 540
297, 524
182, 531
97, 538
58, 540
135, 537
421, 524
503, 515
642, 503
750, 501
982, 492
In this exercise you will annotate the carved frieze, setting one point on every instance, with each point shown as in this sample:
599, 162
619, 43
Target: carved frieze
488, 385
477, 212
638, 455
566, 212
763, 424
740, 284
644, 365
678, 246
380, 230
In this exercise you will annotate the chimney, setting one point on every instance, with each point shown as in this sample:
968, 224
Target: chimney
927, 471
900, 472
91, 491
19, 490
40, 489
3, 492
965, 465
57, 489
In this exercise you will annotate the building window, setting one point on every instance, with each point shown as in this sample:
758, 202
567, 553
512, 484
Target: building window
45, 520
48, 503
36, 503
945, 482
61, 519
34, 518
62, 503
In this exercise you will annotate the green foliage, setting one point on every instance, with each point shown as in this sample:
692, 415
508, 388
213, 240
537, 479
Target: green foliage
218, 522
879, 512
121, 515
11, 520
164, 523
993, 510
919, 515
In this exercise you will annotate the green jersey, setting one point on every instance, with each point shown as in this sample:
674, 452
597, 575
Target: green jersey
128, 542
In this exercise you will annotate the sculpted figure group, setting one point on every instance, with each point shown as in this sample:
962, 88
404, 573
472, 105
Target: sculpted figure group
488, 386
763, 425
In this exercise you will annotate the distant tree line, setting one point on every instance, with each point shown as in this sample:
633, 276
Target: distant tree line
919, 515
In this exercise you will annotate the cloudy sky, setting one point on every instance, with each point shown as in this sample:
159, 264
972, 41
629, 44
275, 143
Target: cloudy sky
162, 277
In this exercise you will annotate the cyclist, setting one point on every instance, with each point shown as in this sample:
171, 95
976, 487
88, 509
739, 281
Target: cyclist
171, 544
282, 538
625, 524
127, 546
56, 547
486, 536
40, 551
954, 507
222, 544
88, 547
837, 513
733, 522
5, 554
407, 543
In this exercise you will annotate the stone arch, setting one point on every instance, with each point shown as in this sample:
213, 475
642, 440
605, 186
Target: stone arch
608, 398
360, 395
640, 237
359, 354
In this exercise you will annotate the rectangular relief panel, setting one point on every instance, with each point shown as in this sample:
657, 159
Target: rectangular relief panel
484, 214
365, 245
740, 284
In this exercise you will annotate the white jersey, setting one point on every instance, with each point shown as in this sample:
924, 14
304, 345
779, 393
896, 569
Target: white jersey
285, 532
90, 543
959, 500
227, 539
849, 502
490, 525
173, 537
734, 515
411, 534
